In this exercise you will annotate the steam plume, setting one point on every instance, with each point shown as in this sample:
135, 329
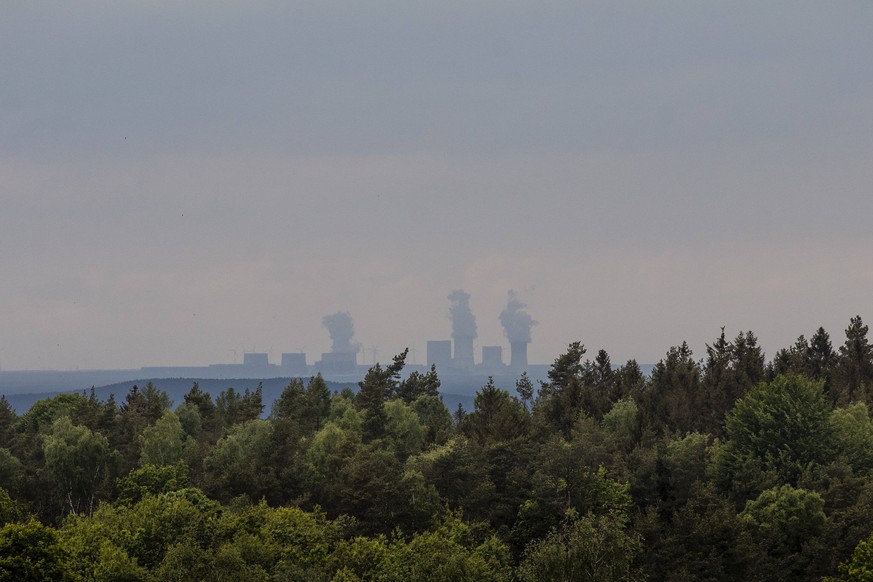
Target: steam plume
342, 330
463, 320
515, 320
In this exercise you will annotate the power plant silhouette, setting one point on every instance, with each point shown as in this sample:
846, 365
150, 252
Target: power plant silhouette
452, 358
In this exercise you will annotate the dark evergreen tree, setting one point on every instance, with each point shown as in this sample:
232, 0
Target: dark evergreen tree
417, 384
789, 361
561, 400
822, 357
525, 389
630, 380
496, 416
672, 399
8, 419
210, 423
376, 387
854, 369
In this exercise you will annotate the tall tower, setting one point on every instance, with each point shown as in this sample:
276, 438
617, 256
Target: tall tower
516, 324
463, 329
463, 357
518, 356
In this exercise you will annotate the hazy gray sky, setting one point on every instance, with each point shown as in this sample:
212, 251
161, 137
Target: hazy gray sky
183, 179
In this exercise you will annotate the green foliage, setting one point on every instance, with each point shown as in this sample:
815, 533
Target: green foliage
10, 470
151, 480
164, 442
700, 541
854, 366
730, 371
434, 417
779, 429
377, 386
8, 420
458, 472
525, 389
672, 399
418, 385
496, 416
622, 424
699, 473
206, 416
404, 434
451, 552
853, 435
238, 465
860, 567
560, 401
593, 548
147, 529
10, 510
233, 408
684, 466
75, 464
31, 552
781, 522
40, 417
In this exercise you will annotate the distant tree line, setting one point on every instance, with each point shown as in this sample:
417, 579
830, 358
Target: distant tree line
728, 467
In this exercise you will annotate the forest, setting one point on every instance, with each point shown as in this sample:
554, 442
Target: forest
724, 467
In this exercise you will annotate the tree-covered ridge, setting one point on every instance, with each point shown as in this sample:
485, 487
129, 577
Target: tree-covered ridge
724, 468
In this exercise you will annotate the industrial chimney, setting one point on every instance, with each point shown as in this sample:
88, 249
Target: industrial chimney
518, 356
516, 324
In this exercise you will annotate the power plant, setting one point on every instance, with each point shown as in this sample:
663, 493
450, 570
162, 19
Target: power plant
343, 355
453, 358
463, 329
517, 324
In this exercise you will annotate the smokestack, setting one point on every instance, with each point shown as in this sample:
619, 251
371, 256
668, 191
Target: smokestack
341, 330
463, 328
516, 324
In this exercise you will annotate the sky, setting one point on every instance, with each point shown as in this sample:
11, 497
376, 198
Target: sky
184, 182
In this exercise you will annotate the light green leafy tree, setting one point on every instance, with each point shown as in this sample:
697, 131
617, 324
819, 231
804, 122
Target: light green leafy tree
853, 435
164, 442
238, 463
781, 522
860, 567
31, 552
595, 548
75, 464
775, 433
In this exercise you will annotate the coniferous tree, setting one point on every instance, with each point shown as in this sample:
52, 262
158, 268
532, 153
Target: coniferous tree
209, 420
672, 399
822, 357
854, 370
417, 385
376, 387
560, 401
7, 422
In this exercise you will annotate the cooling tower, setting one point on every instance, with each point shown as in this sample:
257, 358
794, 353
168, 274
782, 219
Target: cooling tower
518, 356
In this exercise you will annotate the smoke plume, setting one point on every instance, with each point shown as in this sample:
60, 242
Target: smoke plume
342, 330
515, 320
463, 320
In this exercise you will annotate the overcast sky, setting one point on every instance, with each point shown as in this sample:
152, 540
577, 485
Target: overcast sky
182, 180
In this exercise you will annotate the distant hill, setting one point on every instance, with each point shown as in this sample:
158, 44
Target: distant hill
176, 388
23, 389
